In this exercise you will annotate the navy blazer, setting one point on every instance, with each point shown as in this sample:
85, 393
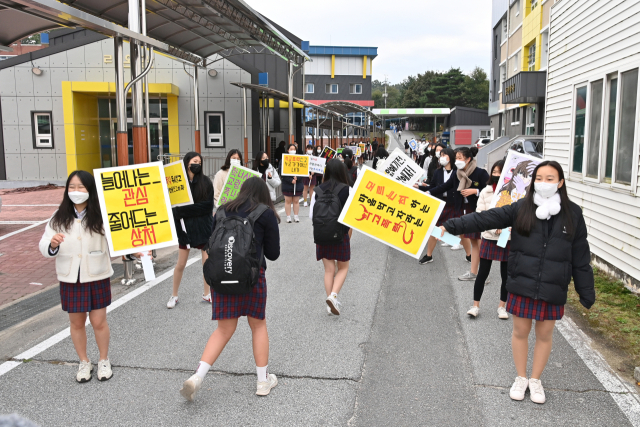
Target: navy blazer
479, 179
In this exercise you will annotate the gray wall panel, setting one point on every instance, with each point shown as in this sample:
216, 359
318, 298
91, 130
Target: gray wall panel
185, 112
26, 141
233, 111
58, 137
75, 57
215, 85
14, 166
42, 84
231, 91
61, 166
77, 74
93, 55
9, 110
164, 75
94, 75
30, 167
183, 81
186, 138
11, 135
44, 103
58, 60
58, 75
7, 82
48, 167
203, 81
215, 104
24, 81
26, 104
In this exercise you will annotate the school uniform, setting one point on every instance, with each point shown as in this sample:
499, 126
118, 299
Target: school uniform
290, 189
273, 182
440, 177
267, 243
197, 218
338, 251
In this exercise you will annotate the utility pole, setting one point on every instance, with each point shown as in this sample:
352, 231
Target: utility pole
385, 91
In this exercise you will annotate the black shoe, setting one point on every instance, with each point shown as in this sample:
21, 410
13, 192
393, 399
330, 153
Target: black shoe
425, 259
468, 258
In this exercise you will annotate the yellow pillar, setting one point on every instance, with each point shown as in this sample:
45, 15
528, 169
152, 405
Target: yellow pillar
333, 66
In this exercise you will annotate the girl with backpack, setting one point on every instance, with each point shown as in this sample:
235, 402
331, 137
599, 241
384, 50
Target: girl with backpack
234, 156
334, 189
308, 182
352, 169
269, 174
193, 222
75, 238
291, 189
380, 156
549, 247
253, 203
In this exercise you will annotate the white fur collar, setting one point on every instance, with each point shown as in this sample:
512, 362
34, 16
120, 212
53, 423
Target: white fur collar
547, 206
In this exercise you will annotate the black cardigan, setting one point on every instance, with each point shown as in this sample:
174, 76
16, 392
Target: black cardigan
542, 264
479, 179
287, 183
198, 218
437, 180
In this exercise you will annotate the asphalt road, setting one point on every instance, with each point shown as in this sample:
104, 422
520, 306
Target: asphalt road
403, 353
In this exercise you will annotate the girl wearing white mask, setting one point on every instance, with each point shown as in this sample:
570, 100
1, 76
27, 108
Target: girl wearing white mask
234, 156
309, 182
548, 249
291, 189
75, 237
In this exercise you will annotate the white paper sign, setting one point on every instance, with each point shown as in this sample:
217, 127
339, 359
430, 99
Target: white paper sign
317, 164
147, 267
402, 168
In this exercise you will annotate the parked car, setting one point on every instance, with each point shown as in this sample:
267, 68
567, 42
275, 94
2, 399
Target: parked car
532, 147
482, 142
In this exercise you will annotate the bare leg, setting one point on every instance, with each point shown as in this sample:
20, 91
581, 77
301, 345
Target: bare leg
520, 344
287, 204
207, 289
466, 244
183, 255
542, 349
475, 255
296, 206
98, 319
218, 340
311, 191
341, 276
305, 190
329, 273
79, 334
431, 245
260, 340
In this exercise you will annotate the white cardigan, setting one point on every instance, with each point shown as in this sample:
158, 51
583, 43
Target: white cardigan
81, 250
273, 182
484, 201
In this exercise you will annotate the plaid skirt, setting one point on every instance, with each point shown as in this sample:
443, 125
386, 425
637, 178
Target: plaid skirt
252, 304
313, 181
449, 212
338, 252
489, 249
535, 309
476, 236
84, 297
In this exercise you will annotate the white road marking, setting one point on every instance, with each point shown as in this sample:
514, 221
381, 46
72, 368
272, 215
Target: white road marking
27, 205
44, 345
24, 229
18, 222
281, 211
621, 392
36, 283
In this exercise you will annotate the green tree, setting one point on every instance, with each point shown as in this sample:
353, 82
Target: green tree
476, 88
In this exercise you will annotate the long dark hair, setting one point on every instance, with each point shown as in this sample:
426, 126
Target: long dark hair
347, 155
336, 172
255, 192
448, 151
65, 215
468, 153
227, 162
258, 162
201, 184
526, 219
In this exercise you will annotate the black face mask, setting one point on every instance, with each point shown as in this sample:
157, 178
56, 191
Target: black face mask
495, 179
195, 168
264, 163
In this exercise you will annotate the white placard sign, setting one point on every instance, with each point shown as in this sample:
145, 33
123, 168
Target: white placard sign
317, 164
402, 168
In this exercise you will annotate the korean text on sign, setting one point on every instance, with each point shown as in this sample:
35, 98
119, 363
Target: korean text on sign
136, 208
317, 164
401, 168
237, 176
295, 165
178, 184
328, 153
399, 216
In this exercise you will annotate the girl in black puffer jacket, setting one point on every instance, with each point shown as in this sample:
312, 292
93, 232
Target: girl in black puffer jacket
548, 247
193, 222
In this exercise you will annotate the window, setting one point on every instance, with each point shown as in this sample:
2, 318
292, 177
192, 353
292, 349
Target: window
42, 129
495, 48
215, 130
516, 6
503, 75
310, 88
534, 3
331, 88
532, 57
627, 127
515, 116
531, 121
611, 126
516, 62
544, 55
353, 89
578, 128
595, 119
504, 29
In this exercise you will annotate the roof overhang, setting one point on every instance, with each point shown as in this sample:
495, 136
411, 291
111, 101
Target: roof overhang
346, 107
412, 112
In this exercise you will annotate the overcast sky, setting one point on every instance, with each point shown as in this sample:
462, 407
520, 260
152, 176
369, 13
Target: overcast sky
412, 36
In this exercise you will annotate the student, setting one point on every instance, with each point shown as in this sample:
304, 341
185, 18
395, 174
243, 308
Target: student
193, 222
352, 169
269, 174
233, 156
278, 157
490, 251
308, 182
379, 157
75, 237
317, 151
549, 248
407, 148
291, 189
227, 309
435, 161
336, 181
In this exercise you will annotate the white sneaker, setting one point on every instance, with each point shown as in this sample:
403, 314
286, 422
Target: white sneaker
264, 387
502, 313
190, 387
536, 391
172, 302
334, 305
456, 247
206, 298
444, 244
518, 388
296, 219
104, 370
474, 311
468, 277
289, 219
306, 205
329, 310
84, 372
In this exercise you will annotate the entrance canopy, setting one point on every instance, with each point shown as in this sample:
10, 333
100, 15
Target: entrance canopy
411, 112
345, 107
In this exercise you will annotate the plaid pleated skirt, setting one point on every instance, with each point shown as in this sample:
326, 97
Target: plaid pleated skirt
476, 236
449, 212
313, 181
252, 304
489, 249
535, 309
338, 252
83, 297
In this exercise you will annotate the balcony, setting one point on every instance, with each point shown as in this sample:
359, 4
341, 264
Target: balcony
525, 87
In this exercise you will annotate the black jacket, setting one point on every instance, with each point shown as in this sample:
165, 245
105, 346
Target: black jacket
433, 166
198, 218
437, 180
541, 265
287, 184
479, 179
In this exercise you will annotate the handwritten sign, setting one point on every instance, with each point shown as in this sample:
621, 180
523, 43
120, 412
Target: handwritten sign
317, 164
237, 176
390, 212
328, 153
178, 184
402, 168
362, 146
136, 208
413, 144
295, 165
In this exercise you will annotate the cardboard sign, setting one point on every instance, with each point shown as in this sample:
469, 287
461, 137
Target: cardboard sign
358, 152
295, 165
237, 176
328, 153
413, 144
515, 179
402, 168
317, 164
178, 184
340, 150
363, 147
136, 208
390, 212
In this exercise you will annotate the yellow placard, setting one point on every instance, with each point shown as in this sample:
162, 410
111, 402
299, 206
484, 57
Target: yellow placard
178, 184
362, 146
136, 208
295, 165
393, 213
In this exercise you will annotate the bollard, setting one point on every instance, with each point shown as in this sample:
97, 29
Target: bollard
129, 269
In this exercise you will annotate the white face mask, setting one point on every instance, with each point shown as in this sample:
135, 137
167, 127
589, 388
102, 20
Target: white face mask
460, 164
438, 154
235, 162
544, 189
309, 151
78, 197
292, 152
444, 161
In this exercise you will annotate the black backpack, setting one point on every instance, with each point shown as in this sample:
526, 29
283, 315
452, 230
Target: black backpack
326, 211
232, 267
